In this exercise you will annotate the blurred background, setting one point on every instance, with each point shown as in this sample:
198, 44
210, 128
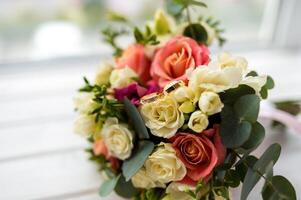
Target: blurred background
47, 46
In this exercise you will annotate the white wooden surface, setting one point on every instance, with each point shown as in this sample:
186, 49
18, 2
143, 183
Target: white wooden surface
40, 157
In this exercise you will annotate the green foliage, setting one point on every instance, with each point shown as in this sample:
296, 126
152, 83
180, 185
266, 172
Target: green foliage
136, 119
176, 7
232, 178
269, 157
110, 35
247, 107
277, 188
231, 96
243, 166
105, 107
214, 24
151, 194
131, 166
234, 132
125, 189
146, 37
252, 73
197, 32
268, 86
108, 186
256, 138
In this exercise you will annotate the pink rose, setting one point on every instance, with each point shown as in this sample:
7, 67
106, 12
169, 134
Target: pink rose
172, 60
135, 58
200, 153
99, 148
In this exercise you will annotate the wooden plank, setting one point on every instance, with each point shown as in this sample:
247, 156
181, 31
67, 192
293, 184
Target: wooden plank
20, 142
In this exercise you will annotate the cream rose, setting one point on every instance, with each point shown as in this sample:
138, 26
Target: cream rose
162, 116
198, 121
118, 138
103, 74
210, 103
164, 166
227, 60
84, 103
177, 191
122, 77
85, 125
142, 180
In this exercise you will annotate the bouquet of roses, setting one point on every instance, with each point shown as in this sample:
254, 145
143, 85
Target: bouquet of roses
168, 121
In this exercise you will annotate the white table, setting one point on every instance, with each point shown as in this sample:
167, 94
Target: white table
41, 158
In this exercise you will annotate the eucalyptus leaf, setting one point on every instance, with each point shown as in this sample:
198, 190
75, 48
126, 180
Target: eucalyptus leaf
247, 107
252, 73
279, 188
271, 155
231, 95
233, 132
242, 167
108, 186
125, 189
232, 178
256, 138
131, 166
136, 119
197, 32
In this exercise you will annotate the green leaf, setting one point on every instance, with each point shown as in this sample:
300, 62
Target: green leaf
271, 155
252, 73
242, 167
233, 132
197, 32
136, 119
256, 138
108, 186
197, 3
270, 83
138, 35
232, 178
230, 96
279, 188
125, 189
173, 7
131, 166
247, 107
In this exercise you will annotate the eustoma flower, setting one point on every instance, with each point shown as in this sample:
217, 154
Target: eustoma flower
200, 153
178, 55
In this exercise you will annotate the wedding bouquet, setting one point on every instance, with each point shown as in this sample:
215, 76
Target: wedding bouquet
168, 121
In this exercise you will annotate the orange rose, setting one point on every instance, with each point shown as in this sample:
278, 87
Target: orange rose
135, 58
99, 148
172, 60
200, 153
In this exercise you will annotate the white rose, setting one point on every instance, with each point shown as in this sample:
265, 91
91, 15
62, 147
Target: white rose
118, 138
83, 102
162, 116
103, 74
177, 191
183, 94
142, 180
198, 121
210, 103
164, 166
213, 78
256, 82
85, 125
122, 77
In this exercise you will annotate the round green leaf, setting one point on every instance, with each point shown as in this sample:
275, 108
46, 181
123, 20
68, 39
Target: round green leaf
125, 189
233, 132
108, 186
242, 169
136, 119
197, 32
232, 178
281, 188
256, 138
263, 164
131, 166
247, 107
230, 96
